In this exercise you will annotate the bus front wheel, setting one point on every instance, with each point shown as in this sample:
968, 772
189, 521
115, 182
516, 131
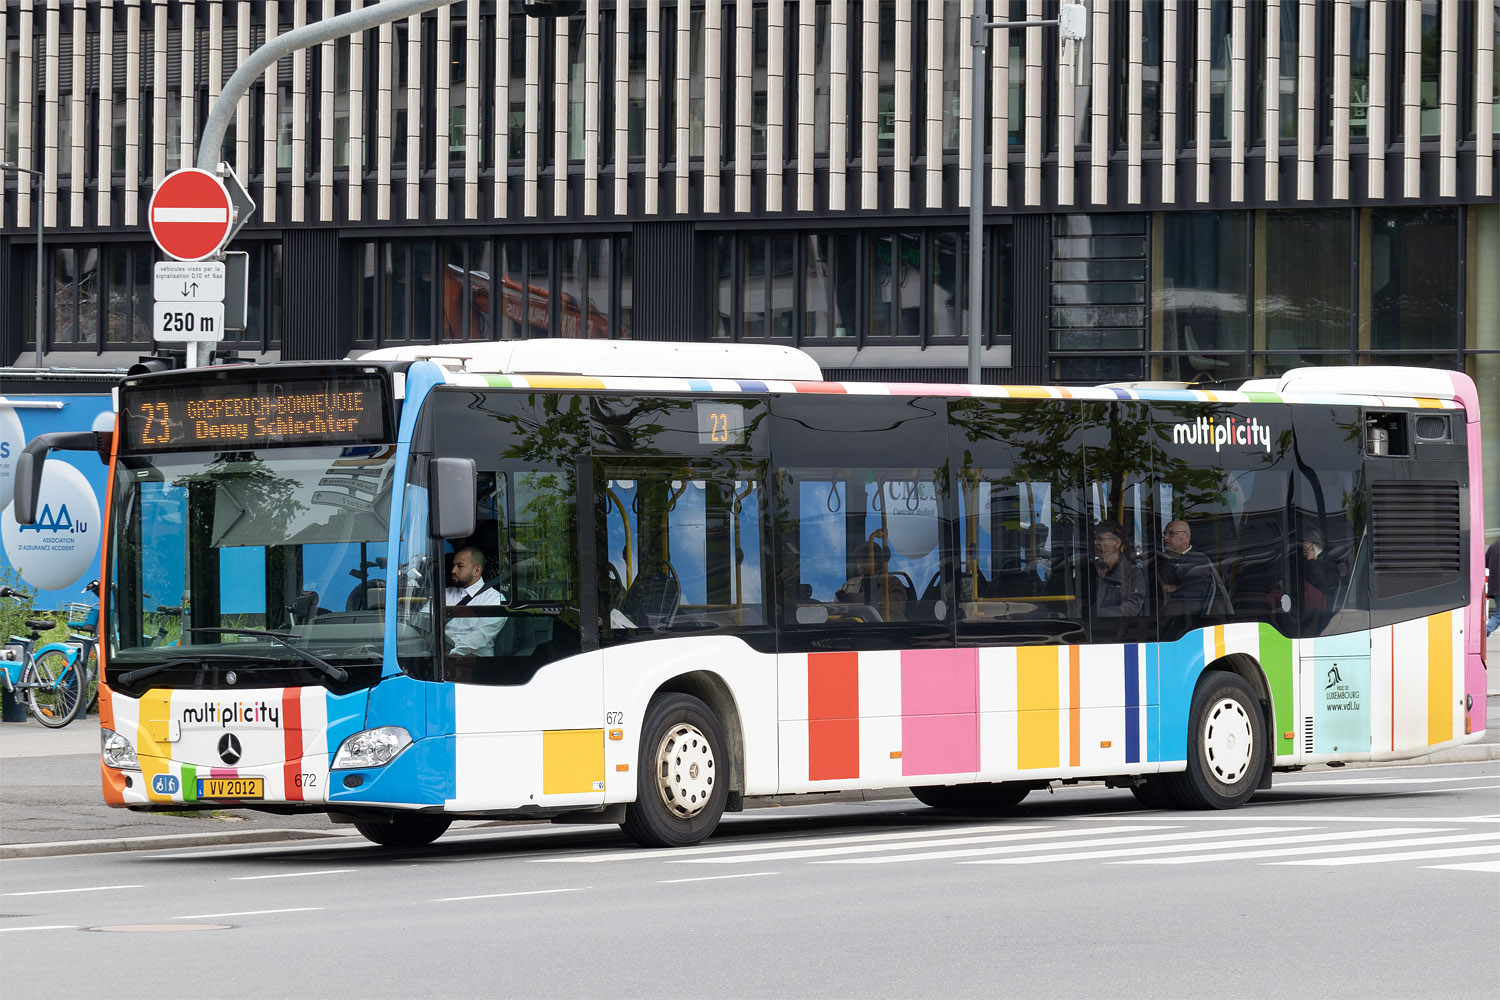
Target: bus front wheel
682, 789
1225, 749
404, 830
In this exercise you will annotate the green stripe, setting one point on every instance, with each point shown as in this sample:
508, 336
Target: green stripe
189, 783
499, 381
1276, 661
1264, 397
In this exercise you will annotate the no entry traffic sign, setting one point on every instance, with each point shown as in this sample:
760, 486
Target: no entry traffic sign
190, 214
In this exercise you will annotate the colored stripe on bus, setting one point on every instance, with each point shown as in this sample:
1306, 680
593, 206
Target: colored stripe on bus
1132, 704
565, 382
751, 385
939, 711
291, 734
826, 388
1074, 712
832, 716
1277, 662
1038, 704
498, 381
1440, 678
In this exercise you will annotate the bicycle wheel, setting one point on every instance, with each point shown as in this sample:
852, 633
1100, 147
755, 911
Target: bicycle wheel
93, 689
54, 689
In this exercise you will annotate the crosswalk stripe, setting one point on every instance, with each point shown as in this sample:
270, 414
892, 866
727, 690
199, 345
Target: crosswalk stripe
1473, 866
1152, 838
822, 852
1403, 840
1370, 859
678, 853
1177, 848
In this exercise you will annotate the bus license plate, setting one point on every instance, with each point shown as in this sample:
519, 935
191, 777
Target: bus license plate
231, 788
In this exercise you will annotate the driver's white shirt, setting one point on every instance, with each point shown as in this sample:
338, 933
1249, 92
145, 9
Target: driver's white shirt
473, 636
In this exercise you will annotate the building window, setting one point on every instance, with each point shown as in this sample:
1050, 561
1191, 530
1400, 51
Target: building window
1200, 295
1412, 281
1098, 297
1302, 305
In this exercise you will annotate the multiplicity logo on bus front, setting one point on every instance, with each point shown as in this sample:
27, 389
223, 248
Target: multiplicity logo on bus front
1223, 431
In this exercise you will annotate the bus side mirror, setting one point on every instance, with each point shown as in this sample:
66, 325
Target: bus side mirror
450, 484
29, 465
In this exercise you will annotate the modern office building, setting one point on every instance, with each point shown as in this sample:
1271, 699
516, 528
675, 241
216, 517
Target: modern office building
1202, 189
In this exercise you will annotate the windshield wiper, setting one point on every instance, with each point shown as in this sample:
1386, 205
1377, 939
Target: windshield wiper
337, 673
197, 658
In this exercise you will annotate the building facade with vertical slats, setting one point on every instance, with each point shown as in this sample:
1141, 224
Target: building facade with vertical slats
1202, 189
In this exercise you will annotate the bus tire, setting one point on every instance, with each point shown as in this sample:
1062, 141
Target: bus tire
401, 830
983, 797
1225, 751
682, 787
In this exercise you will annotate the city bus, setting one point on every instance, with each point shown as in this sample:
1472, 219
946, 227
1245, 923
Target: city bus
695, 574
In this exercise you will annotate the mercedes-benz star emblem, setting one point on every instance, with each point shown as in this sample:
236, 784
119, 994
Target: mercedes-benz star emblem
229, 749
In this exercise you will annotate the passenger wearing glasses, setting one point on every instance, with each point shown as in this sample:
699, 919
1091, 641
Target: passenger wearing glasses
1187, 576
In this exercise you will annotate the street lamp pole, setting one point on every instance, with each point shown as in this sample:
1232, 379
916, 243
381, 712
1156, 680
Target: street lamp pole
37, 174
1071, 22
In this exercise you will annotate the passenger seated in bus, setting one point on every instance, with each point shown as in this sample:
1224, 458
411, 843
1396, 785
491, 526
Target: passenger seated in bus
471, 636
1186, 574
873, 583
1320, 576
1119, 584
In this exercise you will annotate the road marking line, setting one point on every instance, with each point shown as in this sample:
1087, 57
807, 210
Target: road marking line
1450, 852
1303, 782
774, 845
505, 895
713, 878
248, 913
823, 852
1152, 837
89, 888
326, 871
39, 927
1473, 866
1245, 855
1269, 811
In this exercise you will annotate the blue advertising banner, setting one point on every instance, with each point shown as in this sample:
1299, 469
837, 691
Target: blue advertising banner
58, 554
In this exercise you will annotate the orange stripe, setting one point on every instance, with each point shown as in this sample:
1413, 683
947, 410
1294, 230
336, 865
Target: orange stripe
1429, 404
291, 730
1073, 714
563, 382
1218, 642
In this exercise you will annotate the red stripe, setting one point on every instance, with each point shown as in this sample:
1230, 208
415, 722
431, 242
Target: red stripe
832, 716
291, 733
828, 387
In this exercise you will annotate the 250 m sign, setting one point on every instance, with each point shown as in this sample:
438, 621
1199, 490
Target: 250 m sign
187, 321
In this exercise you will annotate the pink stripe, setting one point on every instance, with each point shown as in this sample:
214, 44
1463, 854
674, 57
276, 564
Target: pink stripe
223, 772
939, 720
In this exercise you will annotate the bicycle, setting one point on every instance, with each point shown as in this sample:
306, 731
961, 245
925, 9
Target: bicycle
51, 680
84, 619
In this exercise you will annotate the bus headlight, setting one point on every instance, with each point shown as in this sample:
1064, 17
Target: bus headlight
372, 748
117, 751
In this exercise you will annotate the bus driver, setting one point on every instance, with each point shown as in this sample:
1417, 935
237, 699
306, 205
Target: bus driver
471, 636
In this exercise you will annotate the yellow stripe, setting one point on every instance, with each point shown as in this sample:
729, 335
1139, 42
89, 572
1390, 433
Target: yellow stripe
1429, 404
1440, 678
151, 746
572, 761
1218, 642
564, 382
1038, 703
1030, 392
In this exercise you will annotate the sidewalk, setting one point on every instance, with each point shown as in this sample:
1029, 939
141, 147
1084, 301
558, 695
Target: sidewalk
50, 800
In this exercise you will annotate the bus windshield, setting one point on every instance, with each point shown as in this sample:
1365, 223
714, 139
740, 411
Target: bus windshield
213, 552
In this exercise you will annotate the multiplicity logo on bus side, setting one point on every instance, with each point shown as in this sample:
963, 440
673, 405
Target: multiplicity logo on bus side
1219, 432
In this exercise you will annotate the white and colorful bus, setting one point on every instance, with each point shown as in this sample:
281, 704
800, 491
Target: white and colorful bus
695, 574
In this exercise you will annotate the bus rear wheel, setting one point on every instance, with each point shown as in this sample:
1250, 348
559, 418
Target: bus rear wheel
985, 797
1156, 792
682, 789
1226, 752
404, 830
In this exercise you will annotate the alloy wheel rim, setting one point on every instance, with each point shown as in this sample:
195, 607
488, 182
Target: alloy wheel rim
685, 770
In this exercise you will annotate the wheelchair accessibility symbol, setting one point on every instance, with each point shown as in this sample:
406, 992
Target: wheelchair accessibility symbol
164, 784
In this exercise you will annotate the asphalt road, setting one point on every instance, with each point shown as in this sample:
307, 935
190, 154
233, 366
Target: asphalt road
1371, 882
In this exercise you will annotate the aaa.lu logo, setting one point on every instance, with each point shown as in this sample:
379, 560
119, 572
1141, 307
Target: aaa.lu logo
62, 523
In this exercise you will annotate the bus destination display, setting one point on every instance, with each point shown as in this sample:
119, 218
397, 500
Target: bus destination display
254, 414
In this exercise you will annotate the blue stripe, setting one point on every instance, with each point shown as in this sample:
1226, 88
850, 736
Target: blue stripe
699, 385
750, 385
1122, 394
1132, 704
